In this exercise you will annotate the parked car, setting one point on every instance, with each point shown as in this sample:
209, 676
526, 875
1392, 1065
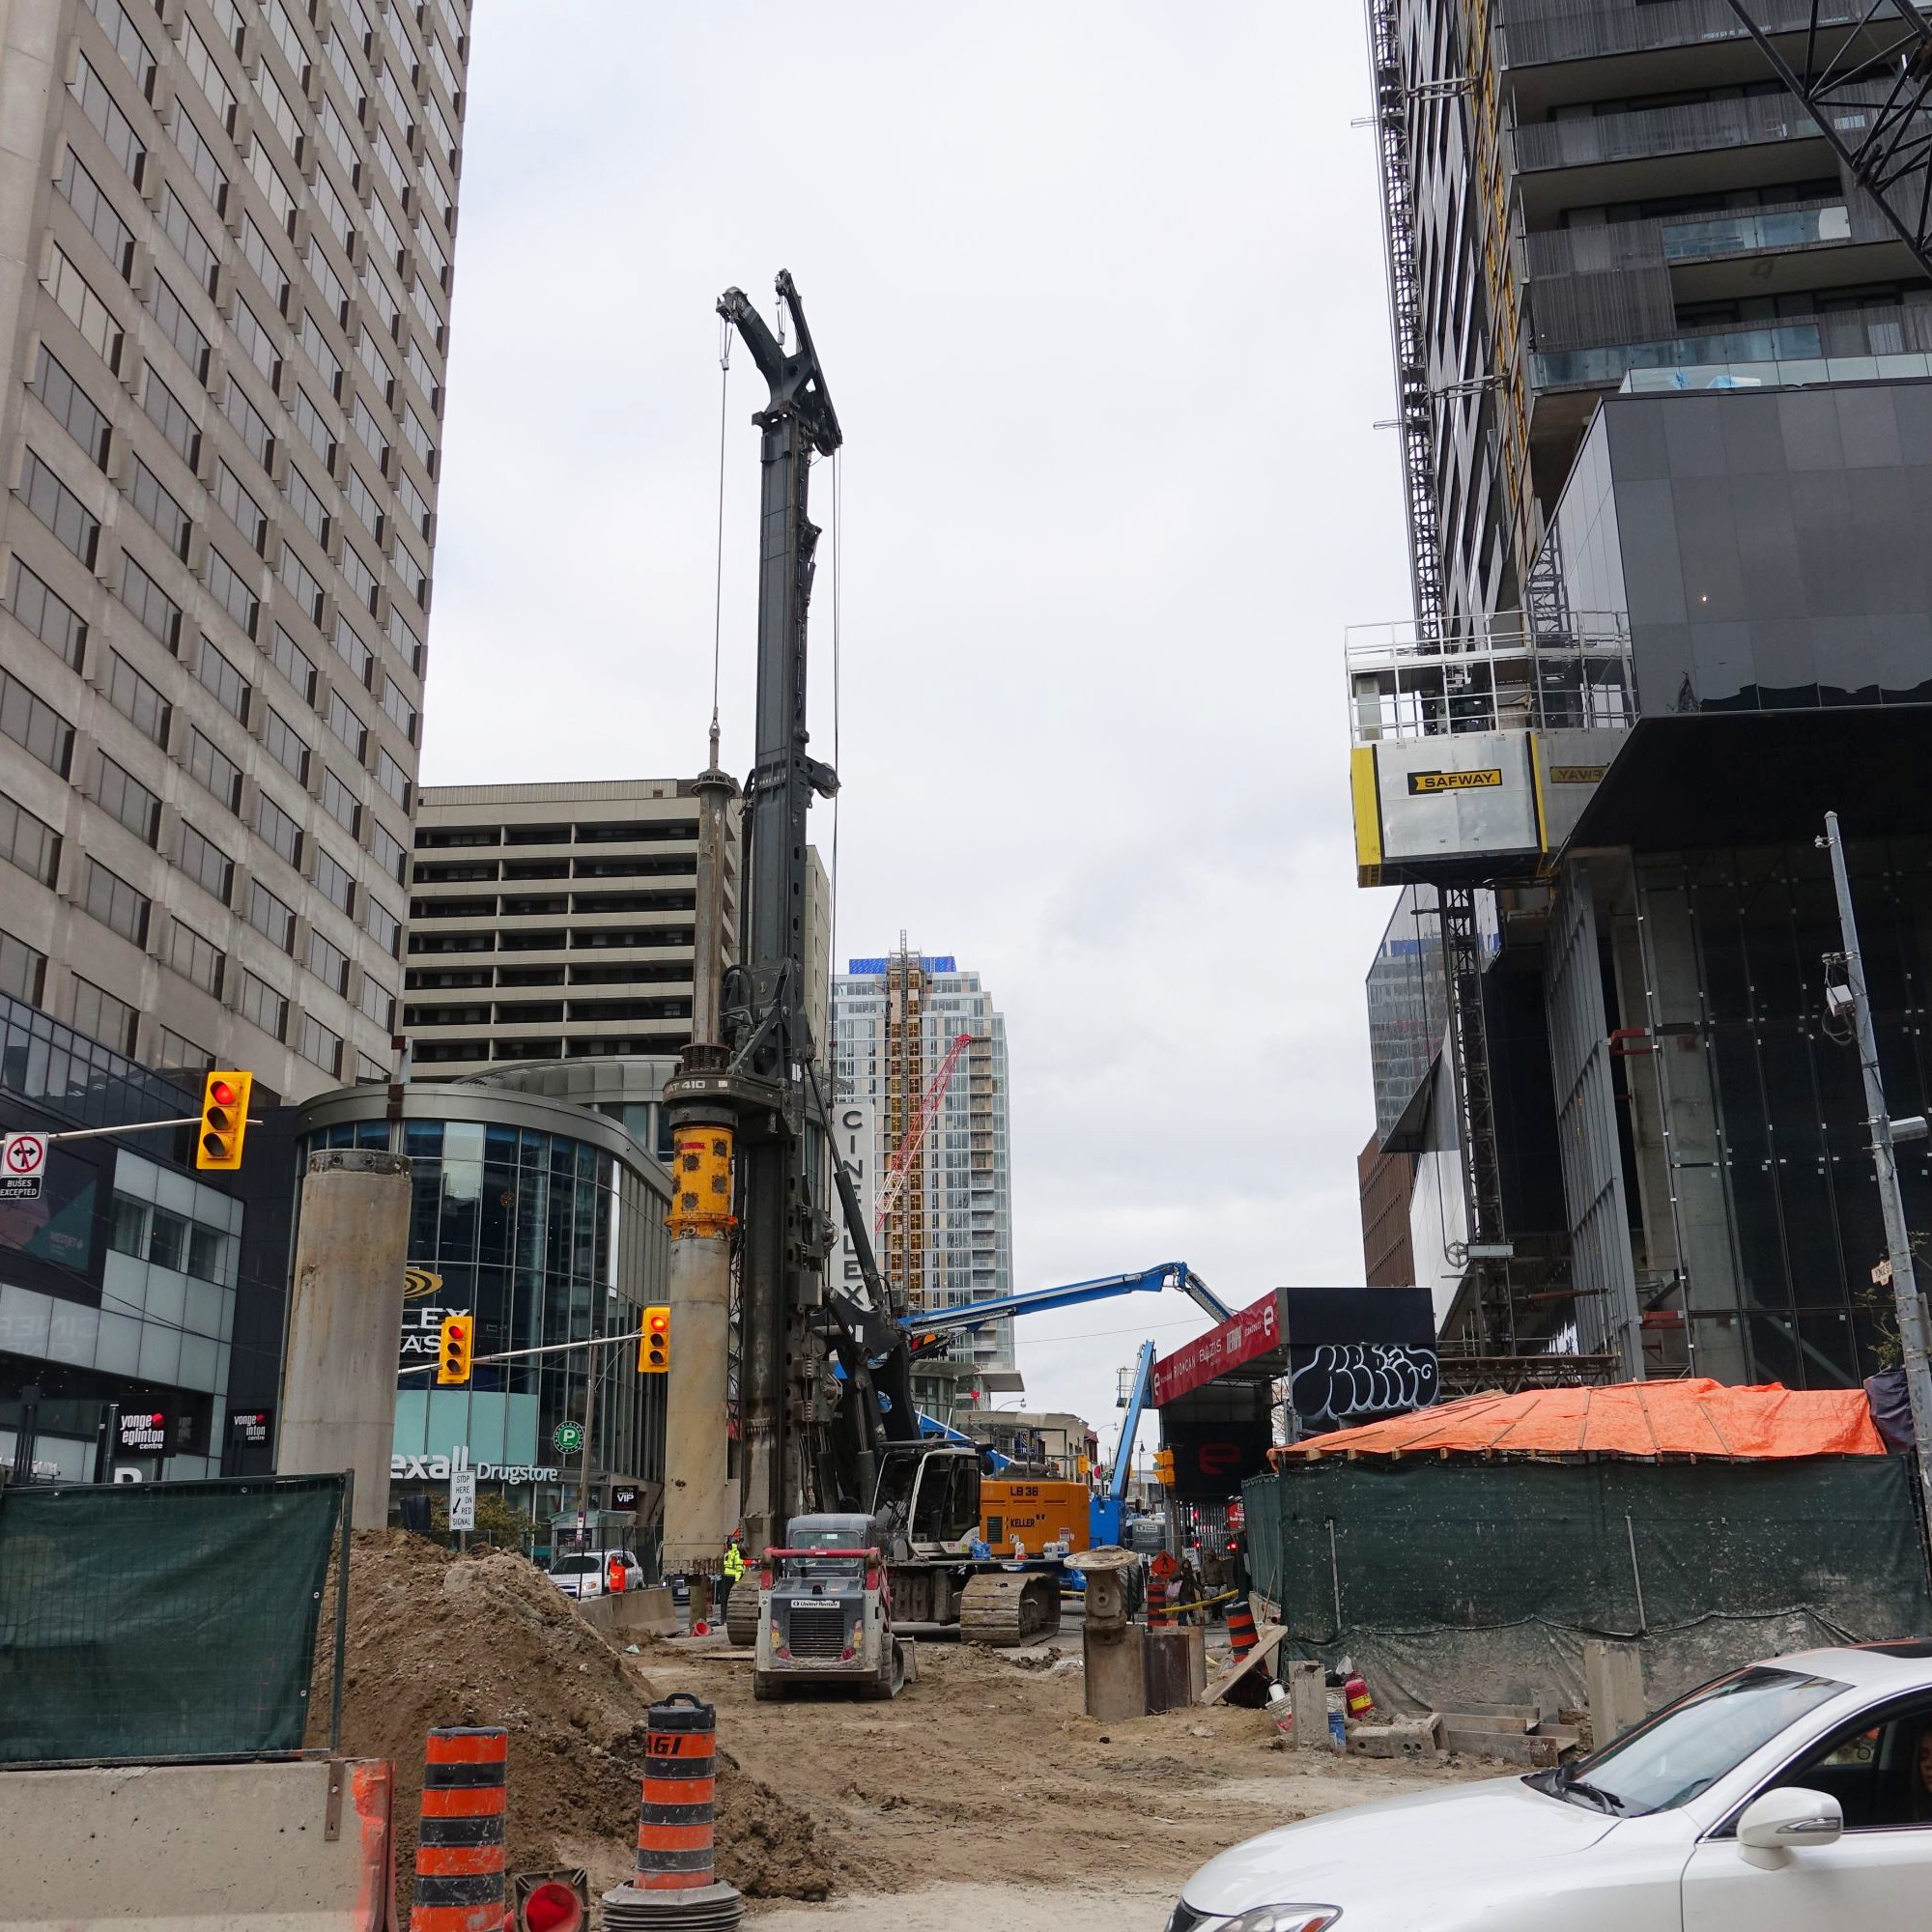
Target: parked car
1795, 1793
582, 1573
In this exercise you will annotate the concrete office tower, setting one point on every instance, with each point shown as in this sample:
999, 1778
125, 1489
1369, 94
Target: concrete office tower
949, 1239
554, 922
228, 232
1665, 382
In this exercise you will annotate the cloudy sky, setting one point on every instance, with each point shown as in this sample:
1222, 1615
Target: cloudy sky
1099, 291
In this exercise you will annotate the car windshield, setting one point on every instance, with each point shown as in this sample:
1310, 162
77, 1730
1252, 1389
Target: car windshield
576, 1566
1687, 1748
822, 1568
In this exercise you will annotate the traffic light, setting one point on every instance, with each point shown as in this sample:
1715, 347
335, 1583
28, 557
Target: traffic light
224, 1120
1163, 1467
654, 1344
455, 1339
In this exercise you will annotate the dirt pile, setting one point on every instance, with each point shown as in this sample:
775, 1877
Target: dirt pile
435, 1639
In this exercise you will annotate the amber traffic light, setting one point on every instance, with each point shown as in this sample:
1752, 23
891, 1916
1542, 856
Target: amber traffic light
224, 1119
454, 1340
654, 1344
1163, 1467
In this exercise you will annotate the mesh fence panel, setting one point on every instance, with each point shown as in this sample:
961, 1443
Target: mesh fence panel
160, 1620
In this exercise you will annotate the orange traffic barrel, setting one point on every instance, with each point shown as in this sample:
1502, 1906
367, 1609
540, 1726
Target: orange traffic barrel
460, 1884
675, 1888
1240, 1629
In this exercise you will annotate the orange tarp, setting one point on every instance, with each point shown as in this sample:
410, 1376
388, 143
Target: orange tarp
1662, 1419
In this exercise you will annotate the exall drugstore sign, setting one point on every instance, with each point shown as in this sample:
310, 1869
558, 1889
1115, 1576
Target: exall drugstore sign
1239, 1339
439, 1469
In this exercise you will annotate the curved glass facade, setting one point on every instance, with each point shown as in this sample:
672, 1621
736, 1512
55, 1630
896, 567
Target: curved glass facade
545, 1238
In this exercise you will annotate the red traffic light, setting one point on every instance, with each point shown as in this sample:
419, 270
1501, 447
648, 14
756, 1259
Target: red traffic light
660, 1320
221, 1093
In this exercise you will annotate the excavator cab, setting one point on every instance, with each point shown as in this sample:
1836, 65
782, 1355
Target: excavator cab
930, 1493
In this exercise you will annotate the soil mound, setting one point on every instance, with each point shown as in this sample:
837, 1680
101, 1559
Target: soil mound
437, 1638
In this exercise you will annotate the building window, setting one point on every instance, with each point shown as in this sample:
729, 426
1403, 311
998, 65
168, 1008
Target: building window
60, 509
286, 746
315, 432
171, 1050
70, 406
124, 797
157, 613
90, 314
318, 1044
383, 926
103, 115
279, 832
407, 642
307, 505
263, 1005
274, 189
402, 713
367, 430
379, 1003
270, 917
100, 1016
23, 972
417, 437
281, 115
328, 963
115, 904
194, 959
214, 768
352, 651
51, 618
413, 502
206, 864
169, 414
28, 842
340, 803
231, 591
337, 884
295, 663
393, 780
243, 512
217, 675
388, 852
34, 726
362, 500
300, 583
200, 63
136, 700
200, 159
157, 507
366, 353
256, 343
315, 346
362, 579
82, 193
190, 244
125, 39
250, 425
342, 719
180, 327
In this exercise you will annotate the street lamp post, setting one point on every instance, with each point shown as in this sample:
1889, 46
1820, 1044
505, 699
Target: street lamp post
1912, 1324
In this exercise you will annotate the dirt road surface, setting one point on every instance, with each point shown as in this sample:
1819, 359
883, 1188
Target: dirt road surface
987, 1792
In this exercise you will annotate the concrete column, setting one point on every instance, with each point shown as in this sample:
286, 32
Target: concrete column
700, 1505
345, 1325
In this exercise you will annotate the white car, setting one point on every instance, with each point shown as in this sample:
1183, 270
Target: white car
582, 1573
1794, 1794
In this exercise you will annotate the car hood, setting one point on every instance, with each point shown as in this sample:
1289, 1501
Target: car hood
1346, 1857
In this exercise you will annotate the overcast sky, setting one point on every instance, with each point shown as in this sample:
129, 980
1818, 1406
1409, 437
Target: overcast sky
1098, 293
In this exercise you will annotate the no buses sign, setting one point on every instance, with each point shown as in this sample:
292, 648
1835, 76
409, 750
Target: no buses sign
24, 1160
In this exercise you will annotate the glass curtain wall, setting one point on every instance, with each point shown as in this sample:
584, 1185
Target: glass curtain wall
544, 1240
1793, 1178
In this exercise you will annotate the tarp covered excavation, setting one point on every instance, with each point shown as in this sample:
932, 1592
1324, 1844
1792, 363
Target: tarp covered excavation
1696, 1417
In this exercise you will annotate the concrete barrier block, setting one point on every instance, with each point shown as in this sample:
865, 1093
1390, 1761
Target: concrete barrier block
1420, 1738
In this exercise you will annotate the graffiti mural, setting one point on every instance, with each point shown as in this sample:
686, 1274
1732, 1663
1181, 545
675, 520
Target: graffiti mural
1340, 1383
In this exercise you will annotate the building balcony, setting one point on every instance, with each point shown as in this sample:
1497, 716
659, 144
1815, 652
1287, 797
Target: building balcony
1857, 344
1535, 33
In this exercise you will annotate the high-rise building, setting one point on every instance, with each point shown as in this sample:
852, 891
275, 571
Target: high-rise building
1664, 378
223, 348
554, 922
946, 1231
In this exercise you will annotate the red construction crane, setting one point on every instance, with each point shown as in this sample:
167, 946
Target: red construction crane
899, 1169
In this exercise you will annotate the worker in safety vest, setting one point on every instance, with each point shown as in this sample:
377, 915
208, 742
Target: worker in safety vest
734, 1567
613, 1574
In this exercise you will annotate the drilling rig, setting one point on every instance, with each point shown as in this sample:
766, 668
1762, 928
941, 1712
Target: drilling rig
827, 1423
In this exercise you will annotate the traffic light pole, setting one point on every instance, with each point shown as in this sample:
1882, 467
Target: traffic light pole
524, 1354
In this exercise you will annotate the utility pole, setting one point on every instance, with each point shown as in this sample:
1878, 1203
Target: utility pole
1912, 1322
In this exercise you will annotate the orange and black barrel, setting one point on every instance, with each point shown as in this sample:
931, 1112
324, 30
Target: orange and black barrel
460, 1884
675, 1888
1241, 1628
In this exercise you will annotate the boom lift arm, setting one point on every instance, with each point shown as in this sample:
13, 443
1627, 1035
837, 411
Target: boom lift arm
928, 1331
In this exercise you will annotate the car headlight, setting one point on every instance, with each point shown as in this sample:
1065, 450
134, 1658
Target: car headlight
1282, 1919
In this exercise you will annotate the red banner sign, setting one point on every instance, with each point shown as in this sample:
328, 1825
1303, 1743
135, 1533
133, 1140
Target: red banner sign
1239, 1339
